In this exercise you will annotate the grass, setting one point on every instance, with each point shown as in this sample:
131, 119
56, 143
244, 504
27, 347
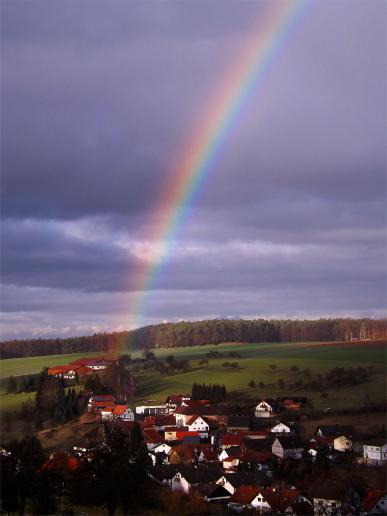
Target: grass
254, 362
152, 385
31, 365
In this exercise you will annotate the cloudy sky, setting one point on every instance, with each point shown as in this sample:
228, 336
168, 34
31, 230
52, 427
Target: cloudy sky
99, 98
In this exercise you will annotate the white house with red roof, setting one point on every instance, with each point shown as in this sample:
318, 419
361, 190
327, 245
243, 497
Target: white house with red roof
198, 424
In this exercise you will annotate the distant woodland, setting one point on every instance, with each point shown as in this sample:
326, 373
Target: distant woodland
198, 333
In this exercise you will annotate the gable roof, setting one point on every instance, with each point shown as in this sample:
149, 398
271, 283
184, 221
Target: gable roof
244, 494
200, 474
289, 443
238, 421
193, 418
279, 497
151, 436
253, 478
231, 439
256, 444
372, 498
120, 409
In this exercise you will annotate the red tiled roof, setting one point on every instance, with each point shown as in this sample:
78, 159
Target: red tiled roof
231, 439
82, 370
192, 419
119, 410
103, 404
182, 433
279, 497
372, 498
152, 436
60, 369
61, 462
104, 397
244, 495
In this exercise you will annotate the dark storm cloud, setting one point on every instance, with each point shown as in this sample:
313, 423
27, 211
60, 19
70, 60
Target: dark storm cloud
99, 98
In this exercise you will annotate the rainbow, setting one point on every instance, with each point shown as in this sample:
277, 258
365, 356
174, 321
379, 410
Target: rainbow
201, 156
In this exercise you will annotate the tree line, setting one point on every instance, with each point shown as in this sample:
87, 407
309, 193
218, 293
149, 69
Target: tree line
214, 392
204, 332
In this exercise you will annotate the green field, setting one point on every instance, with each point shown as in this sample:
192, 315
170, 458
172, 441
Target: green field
254, 364
31, 365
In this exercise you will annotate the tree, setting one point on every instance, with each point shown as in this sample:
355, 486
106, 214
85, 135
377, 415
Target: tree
261, 385
119, 381
19, 471
273, 367
125, 359
148, 355
281, 383
252, 384
11, 385
115, 477
294, 369
170, 360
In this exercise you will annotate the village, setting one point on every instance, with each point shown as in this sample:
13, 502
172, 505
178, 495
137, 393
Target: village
239, 459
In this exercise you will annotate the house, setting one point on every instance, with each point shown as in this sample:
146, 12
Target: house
228, 440
127, 415
293, 404
256, 460
281, 428
174, 401
266, 408
161, 447
375, 502
375, 452
342, 443
191, 439
257, 445
170, 433
207, 454
182, 454
188, 478
198, 424
334, 431
151, 409
160, 422
238, 423
243, 498
230, 451
230, 463
151, 437
101, 399
231, 481
69, 372
215, 413
281, 499
287, 448
331, 497
160, 458
212, 492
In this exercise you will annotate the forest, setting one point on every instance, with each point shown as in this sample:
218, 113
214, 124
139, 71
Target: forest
170, 335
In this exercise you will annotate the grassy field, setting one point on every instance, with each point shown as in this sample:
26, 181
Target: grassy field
254, 364
31, 365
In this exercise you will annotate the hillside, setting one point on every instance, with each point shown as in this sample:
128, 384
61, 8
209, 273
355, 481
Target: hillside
199, 333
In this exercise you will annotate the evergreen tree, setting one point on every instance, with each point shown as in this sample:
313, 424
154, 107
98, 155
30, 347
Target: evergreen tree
11, 385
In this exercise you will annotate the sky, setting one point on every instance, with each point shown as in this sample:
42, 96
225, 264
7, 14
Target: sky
99, 98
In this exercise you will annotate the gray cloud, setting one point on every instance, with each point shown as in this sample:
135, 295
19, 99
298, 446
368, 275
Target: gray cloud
99, 99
